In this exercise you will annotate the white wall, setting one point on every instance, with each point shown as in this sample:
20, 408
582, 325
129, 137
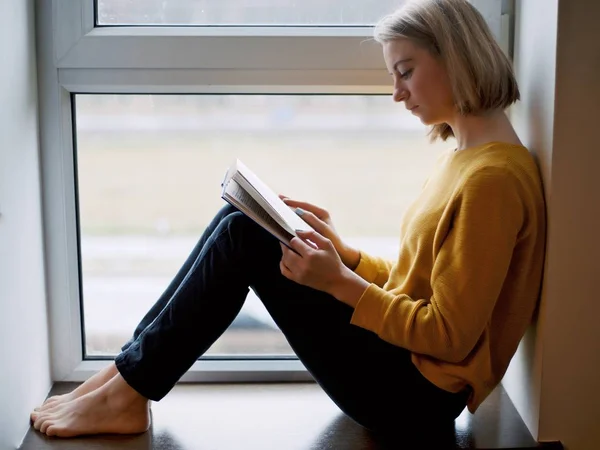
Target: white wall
570, 388
533, 117
554, 378
25, 372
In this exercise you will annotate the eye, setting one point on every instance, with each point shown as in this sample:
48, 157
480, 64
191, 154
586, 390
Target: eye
406, 75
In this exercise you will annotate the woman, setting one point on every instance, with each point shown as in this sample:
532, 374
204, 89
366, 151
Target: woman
428, 334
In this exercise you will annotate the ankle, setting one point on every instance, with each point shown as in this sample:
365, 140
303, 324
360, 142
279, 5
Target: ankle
119, 394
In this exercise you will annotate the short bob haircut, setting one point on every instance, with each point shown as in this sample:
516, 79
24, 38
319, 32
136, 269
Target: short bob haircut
481, 75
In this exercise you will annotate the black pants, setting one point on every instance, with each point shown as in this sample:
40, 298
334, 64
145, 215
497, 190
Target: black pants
372, 381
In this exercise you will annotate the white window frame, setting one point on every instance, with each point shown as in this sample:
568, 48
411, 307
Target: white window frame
76, 57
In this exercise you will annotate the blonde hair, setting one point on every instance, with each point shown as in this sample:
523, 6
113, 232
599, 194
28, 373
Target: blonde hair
481, 76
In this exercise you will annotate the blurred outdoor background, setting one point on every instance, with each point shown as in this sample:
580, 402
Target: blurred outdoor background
149, 171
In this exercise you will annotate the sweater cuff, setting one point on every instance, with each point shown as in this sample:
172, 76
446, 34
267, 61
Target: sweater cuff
368, 267
371, 308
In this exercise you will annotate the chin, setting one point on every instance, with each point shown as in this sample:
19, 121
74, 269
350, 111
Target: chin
424, 118
429, 121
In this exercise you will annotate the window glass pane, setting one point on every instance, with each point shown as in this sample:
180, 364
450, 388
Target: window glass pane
242, 12
149, 172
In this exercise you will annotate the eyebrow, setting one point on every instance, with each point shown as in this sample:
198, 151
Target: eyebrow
395, 66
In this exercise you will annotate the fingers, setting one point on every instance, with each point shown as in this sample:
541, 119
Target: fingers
319, 212
321, 241
311, 219
299, 249
290, 258
285, 271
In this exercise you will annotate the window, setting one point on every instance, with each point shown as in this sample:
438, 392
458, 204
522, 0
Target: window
148, 175
122, 103
241, 12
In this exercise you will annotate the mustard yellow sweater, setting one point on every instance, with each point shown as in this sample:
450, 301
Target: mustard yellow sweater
467, 279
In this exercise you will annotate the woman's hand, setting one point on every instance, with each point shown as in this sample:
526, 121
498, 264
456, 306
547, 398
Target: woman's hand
320, 220
314, 262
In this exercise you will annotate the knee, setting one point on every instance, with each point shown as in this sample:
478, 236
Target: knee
241, 228
237, 222
227, 210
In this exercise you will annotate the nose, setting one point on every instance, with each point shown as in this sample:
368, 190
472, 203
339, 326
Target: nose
400, 93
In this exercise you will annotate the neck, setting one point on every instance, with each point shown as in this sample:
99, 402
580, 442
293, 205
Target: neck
471, 131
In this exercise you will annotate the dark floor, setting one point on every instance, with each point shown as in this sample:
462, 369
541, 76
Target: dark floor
281, 417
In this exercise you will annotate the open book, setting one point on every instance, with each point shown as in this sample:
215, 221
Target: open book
245, 191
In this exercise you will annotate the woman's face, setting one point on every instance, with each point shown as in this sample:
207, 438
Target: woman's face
420, 81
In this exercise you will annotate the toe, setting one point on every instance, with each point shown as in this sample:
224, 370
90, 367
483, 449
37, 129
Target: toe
51, 430
39, 421
47, 405
36, 414
58, 429
45, 426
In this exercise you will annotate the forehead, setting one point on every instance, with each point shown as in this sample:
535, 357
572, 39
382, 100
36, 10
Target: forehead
399, 49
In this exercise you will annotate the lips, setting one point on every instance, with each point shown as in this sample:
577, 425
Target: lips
413, 108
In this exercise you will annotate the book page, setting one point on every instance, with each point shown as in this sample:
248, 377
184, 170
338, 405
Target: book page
239, 198
249, 180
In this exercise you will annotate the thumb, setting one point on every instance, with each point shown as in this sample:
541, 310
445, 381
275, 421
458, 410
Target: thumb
315, 237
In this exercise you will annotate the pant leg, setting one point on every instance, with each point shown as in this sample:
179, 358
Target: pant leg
200, 309
359, 371
364, 375
181, 274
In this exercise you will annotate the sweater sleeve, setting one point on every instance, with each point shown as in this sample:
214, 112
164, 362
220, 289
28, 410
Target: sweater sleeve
373, 269
468, 272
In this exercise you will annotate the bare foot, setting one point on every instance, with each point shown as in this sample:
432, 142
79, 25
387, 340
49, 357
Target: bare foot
114, 407
91, 384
